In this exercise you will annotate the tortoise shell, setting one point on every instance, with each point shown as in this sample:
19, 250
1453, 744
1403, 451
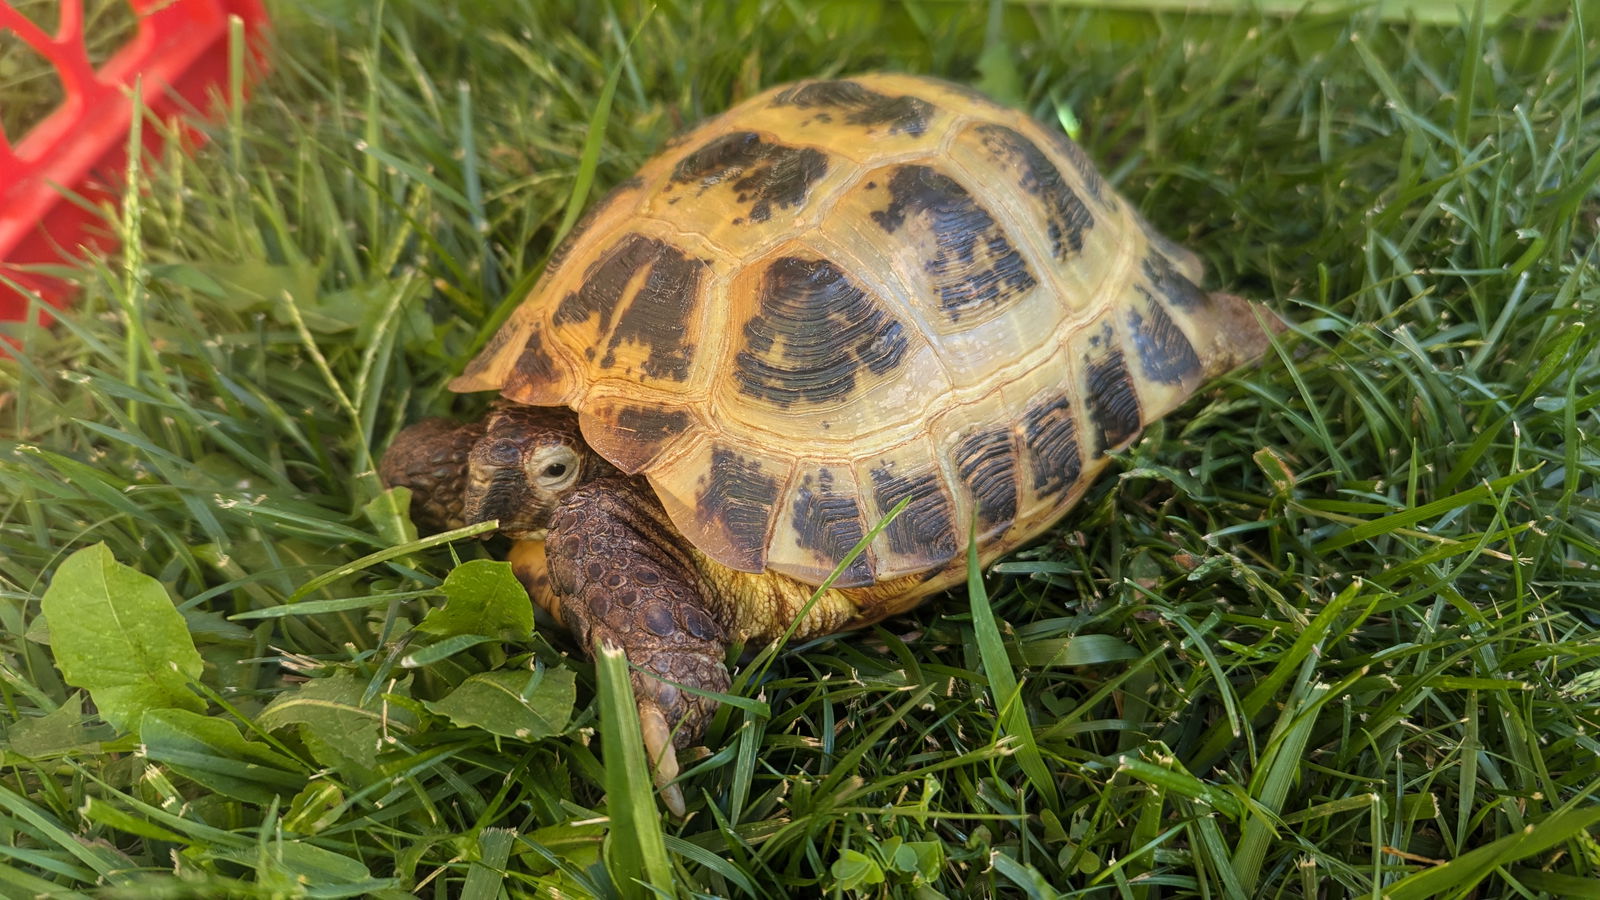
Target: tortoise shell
842, 294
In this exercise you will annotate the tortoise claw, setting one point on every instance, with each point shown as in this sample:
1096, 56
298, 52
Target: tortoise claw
663, 757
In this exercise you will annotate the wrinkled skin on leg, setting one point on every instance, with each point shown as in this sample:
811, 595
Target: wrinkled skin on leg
618, 571
622, 580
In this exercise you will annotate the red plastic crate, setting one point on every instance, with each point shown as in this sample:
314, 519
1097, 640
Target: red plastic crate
77, 155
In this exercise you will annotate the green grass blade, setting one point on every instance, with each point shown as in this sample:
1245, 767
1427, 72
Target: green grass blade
1468, 871
1406, 518
1281, 764
488, 871
637, 853
1004, 689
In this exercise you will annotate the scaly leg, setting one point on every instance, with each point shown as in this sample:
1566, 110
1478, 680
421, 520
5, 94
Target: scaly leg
619, 575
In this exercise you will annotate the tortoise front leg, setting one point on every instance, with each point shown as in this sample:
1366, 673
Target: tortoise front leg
618, 575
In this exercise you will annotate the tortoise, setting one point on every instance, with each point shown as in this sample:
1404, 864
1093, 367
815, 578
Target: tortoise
838, 296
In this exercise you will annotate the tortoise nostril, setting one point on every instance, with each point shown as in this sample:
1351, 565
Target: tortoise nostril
504, 452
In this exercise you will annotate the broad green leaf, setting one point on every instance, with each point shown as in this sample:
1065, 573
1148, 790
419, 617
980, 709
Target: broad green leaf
854, 870
1078, 650
53, 733
315, 808
336, 728
301, 863
116, 634
388, 514
512, 703
922, 859
211, 752
483, 597
929, 857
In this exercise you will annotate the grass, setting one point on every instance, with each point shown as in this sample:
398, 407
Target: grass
1330, 631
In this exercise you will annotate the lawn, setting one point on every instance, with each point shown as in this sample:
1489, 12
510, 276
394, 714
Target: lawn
1331, 630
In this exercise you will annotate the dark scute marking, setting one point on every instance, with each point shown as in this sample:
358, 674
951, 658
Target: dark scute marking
636, 435
1177, 289
861, 106
961, 228
656, 315
534, 366
763, 174
722, 157
1165, 352
1080, 161
738, 496
652, 424
1112, 402
829, 524
987, 465
785, 181
1052, 440
564, 249
924, 529
815, 330
1066, 216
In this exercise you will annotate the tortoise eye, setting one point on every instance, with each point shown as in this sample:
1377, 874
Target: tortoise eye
556, 468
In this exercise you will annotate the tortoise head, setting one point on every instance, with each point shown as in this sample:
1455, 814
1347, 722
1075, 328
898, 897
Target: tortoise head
527, 460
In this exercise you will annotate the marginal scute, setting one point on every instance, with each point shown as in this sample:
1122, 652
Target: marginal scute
986, 462
814, 331
1092, 181
534, 377
1051, 437
634, 435
1179, 257
1173, 286
924, 535
973, 265
826, 518
1113, 402
1165, 354
735, 502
